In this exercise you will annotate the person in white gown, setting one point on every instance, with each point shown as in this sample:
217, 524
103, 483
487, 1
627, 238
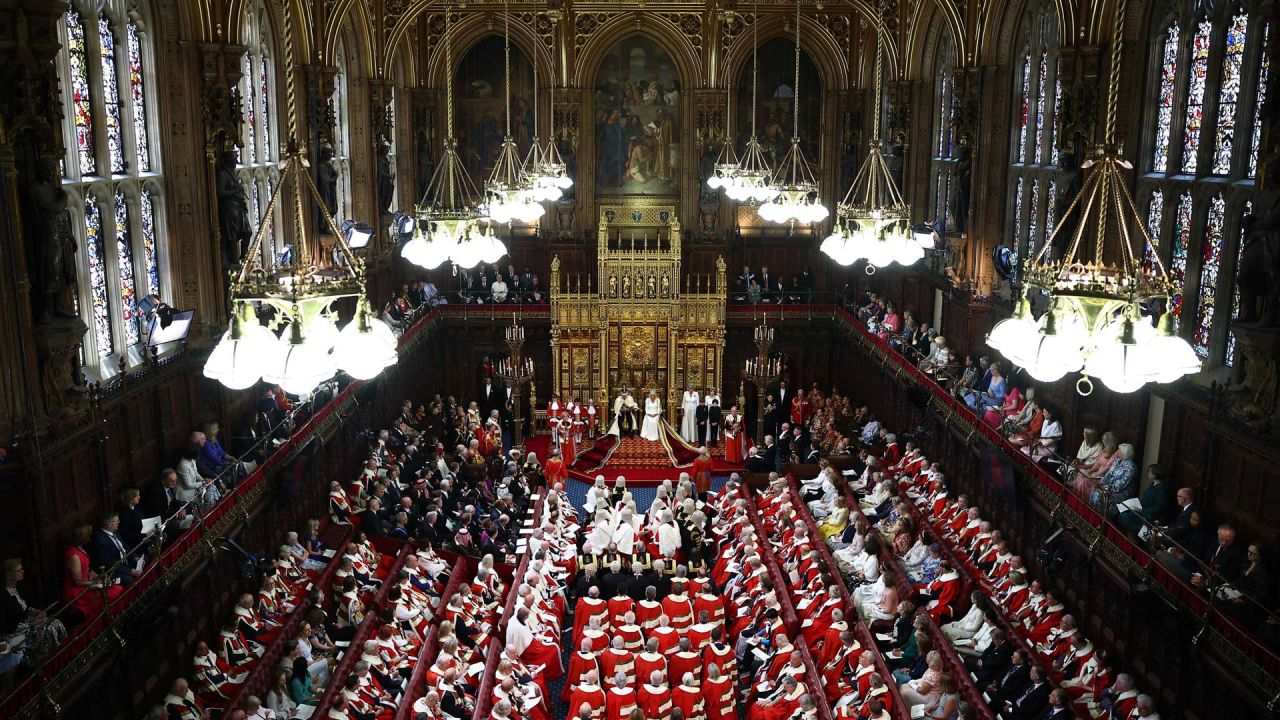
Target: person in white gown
689, 423
651, 429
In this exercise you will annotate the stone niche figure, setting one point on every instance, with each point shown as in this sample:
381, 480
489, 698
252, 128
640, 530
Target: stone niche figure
1258, 276
49, 225
1069, 185
708, 199
893, 160
426, 163
569, 156
386, 177
233, 212
327, 184
961, 196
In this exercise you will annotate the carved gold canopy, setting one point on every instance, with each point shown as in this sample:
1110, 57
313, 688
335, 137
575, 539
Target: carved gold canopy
639, 323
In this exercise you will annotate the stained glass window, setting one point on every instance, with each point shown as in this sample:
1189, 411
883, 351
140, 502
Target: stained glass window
151, 256
1026, 109
99, 300
128, 289
1229, 93
939, 199
1017, 214
944, 110
1264, 72
1210, 263
255, 200
1195, 96
81, 99
106, 133
1042, 80
250, 113
1155, 219
1235, 293
1164, 118
1033, 211
138, 99
1057, 122
111, 95
264, 98
1051, 210
1178, 256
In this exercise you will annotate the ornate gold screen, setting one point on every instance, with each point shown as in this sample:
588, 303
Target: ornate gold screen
638, 323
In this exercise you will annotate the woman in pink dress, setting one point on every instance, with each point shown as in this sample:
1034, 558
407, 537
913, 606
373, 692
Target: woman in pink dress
1012, 406
81, 587
892, 324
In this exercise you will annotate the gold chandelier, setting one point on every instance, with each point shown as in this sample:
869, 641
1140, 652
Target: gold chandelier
312, 348
795, 187
1094, 323
451, 211
873, 221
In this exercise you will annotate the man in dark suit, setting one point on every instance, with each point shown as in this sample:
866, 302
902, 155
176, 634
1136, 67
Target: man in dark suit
489, 393
773, 414
783, 453
744, 284
372, 521
755, 463
806, 280
800, 444
701, 416
715, 421
1032, 701
161, 497
768, 283
770, 453
105, 549
1059, 707
614, 578
1180, 525
1010, 684
993, 661
1224, 559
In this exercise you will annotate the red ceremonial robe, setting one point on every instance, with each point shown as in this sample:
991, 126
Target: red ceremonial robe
654, 702
579, 664
619, 702
591, 695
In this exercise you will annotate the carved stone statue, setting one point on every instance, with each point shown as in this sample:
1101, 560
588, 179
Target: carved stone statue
233, 212
1258, 276
327, 184
1070, 158
49, 224
426, 163
386, 177
569, 155
894, 162
961, 196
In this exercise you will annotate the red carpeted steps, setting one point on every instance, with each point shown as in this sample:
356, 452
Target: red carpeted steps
597, 456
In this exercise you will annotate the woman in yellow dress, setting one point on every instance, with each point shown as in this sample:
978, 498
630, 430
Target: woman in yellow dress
837, 521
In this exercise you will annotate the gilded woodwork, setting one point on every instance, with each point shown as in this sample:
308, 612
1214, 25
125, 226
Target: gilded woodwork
646, 326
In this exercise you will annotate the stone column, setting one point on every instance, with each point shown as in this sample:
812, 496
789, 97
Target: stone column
220, 74
37, 247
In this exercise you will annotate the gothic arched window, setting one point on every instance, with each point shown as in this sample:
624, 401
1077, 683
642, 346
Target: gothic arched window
113, 176
1207, 75
341, 136
944, 135
1034, 157
260, 150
